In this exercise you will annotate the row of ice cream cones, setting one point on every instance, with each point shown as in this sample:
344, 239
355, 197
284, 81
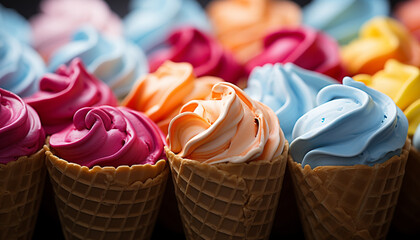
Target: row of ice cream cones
224, 201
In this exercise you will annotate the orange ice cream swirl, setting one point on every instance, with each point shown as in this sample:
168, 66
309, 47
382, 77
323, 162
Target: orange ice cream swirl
241, 25
229, 127
380, 39
400, 82
161, 94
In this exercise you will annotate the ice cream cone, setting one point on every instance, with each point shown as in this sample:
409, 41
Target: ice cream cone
407, 212
348, 202
107, 202
21, 186
227, 200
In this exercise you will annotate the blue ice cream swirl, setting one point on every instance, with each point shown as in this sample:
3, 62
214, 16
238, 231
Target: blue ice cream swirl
113, 60
150, 22
15, 24
416, 138
20, 66
290, 91
352, 124
343, 19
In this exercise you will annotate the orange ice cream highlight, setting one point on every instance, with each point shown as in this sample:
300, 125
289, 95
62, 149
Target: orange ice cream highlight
241, 25
229, 127
160, 95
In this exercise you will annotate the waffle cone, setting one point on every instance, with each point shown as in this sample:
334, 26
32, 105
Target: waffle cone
227, 200
21, 186
107, 202
407, 212
348, 202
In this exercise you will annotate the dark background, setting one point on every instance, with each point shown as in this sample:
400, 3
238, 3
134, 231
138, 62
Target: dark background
28, 8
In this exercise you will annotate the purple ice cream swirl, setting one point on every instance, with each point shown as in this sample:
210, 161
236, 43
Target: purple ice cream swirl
21, 133
109, 136
64, 92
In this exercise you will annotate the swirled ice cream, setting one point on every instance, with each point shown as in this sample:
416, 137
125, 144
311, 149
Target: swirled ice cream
64, 92
54, 26
21, 133
380, 39
241, 25
149, 21
287, 89
230, 127
343, 19
352, 124
303, 46
206, 55
16, 25
20, 66
109, 136
113, 60
161, 94
400, 82
408, 13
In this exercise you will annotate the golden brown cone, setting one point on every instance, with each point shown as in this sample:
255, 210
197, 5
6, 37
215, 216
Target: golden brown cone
107, 202
407, 212
227, 200
21, 186
348, 202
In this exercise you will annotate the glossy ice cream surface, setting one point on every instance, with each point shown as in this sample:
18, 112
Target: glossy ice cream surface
161, 94
205, 54
230, 127
64, 92
287, 89
21, 133
379, 40
54, 26
109, 136
352, 124
401, 82
303, 46
113, 60
343, 19
150, 21
20, 66
241, 25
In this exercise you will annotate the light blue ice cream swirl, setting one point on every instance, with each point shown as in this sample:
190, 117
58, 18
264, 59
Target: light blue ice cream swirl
151, 21
16, 25
20, 66
416, 138
113, 60
343, 19
352, 124
287, 89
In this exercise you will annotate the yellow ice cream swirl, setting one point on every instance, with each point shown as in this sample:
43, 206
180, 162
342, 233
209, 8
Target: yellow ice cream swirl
400, 82
230, 127
380, 39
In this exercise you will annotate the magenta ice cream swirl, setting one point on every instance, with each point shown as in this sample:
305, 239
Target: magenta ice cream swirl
109, 136
21, 133
64, 92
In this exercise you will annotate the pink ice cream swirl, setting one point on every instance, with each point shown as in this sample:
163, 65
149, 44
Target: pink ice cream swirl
208, 57
59, 19
305, 47
109, 136
64, 92
21, 133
